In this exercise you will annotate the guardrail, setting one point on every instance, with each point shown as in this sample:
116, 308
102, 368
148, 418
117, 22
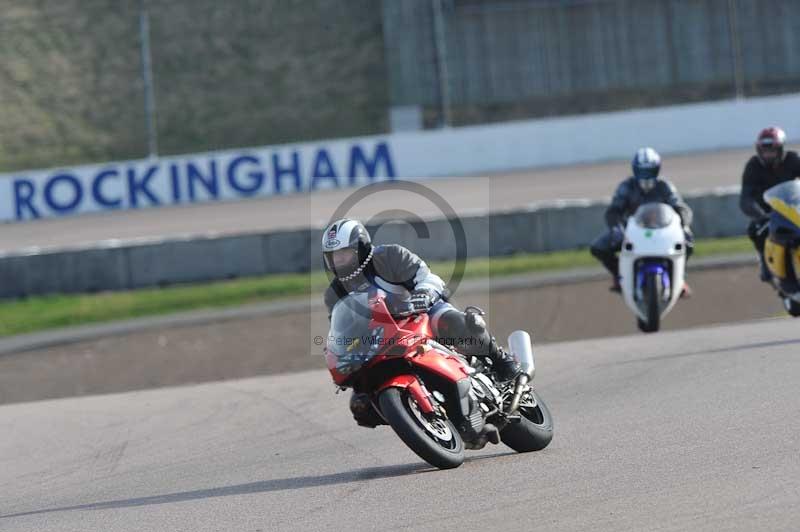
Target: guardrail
127, 265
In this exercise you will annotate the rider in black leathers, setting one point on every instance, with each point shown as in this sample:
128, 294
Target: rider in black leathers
771, 165
644, 186
356, 265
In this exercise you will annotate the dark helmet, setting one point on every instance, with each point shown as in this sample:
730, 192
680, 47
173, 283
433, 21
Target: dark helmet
646, 165
346, 248
769, 145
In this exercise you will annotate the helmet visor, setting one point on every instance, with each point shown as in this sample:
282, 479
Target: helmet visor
769, 153
647, 183
342, 262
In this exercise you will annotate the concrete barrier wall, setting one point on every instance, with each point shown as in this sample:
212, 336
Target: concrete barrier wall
550, 226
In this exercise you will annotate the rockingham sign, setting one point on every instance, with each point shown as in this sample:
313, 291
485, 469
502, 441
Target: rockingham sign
303, 168
195, 178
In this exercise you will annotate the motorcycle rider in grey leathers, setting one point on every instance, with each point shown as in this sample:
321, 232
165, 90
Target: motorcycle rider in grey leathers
354, 264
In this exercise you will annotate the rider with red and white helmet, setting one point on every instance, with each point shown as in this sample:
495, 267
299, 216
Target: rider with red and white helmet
772, 164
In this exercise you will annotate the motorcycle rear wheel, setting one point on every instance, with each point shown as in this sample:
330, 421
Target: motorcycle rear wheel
435, 440
535, 431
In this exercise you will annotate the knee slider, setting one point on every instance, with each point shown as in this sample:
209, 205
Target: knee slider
473, 316
466, 331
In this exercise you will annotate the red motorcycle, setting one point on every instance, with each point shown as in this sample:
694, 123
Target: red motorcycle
434, 398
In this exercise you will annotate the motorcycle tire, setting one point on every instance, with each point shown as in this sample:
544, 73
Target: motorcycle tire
444, 451
534, 432
653, 296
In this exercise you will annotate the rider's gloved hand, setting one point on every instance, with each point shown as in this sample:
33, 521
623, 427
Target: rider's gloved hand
423, 299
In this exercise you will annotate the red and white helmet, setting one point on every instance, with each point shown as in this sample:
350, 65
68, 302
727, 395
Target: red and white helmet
769, 145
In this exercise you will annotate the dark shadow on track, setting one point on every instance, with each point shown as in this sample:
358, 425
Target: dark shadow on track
266, 486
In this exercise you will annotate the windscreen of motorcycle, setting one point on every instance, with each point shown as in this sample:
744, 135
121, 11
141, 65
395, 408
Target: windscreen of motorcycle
654, 215
351, 341
785, 200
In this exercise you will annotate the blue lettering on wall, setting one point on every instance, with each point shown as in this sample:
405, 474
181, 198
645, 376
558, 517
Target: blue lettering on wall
139, 186
174, 175
323, 168
201, 177
255, 177
359, 160
97, 190
76, 193
291, 171
24, 190
208, 182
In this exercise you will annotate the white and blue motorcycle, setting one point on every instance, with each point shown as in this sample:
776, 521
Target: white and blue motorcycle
652, 263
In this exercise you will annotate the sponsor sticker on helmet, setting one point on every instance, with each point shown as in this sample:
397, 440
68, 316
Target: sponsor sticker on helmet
332, 241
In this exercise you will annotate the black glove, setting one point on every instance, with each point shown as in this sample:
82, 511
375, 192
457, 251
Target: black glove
423, 299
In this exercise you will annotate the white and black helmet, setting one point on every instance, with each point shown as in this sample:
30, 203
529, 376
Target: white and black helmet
646, 165
346, 248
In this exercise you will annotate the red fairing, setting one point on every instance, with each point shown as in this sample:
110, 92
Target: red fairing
414, 331
338, 378
406, 331
411, 334
417, 390
448, 366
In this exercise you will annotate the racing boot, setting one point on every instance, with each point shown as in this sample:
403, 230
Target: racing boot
764, 274
615, 286
686, 291
363, 413
612, 265
505, 366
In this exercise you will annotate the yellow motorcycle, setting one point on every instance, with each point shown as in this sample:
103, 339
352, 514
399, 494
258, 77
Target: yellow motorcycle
782, 248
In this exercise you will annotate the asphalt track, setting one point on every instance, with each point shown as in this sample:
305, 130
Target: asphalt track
686, 430
464, 194
277, 337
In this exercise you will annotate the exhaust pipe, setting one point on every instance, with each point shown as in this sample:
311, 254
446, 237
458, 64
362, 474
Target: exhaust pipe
522, 380
519, 343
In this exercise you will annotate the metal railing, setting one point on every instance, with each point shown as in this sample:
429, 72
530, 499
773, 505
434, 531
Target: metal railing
93, 80
504, 59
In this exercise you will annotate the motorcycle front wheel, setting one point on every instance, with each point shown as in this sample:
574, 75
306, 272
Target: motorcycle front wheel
652, 293
432, 438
